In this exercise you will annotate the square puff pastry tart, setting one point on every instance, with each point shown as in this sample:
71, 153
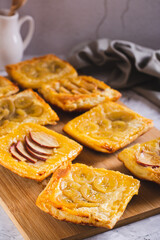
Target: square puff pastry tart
32, 73
34, 151
26, 106
7, 88
143, 160
87, 195
79, 93
107, 127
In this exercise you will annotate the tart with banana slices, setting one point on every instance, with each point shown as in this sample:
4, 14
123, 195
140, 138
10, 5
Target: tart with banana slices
32, 73
143, 160
79, 93
81, 194
7, 88
26, 106
107, 127
34, 152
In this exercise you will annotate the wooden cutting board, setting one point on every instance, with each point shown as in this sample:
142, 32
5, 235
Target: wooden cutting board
18, 196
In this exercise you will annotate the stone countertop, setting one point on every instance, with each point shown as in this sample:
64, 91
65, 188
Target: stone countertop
147, 229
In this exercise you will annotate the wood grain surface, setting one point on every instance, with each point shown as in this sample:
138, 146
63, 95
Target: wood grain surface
18, 196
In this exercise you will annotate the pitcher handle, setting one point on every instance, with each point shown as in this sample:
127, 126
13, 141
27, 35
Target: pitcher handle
28, 38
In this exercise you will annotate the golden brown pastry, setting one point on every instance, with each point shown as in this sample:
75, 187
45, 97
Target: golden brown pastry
33, 151
7, 88
32, 73
26, 106
143, 160
107, 127
79, 93
85, 195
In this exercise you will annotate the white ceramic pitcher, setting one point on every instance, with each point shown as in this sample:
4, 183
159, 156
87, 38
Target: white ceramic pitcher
11, 43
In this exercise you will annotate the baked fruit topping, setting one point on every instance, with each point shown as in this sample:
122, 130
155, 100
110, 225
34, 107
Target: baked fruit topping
36, 147
34, 72
7, 88
31, 150
44, 139
148, 157
77, 93
143, 160
87, 195
26, 106
107, 127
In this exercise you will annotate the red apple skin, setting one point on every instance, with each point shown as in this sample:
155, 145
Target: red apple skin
41, 142
15, 154
21, 150
36, 148
35, 155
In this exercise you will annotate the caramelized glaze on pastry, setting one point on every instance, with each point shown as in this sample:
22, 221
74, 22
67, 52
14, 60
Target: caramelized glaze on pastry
143, 160
32, 73
107, 127
79, 93
86, 195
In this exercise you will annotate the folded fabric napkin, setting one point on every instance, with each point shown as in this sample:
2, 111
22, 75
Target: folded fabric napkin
121, 64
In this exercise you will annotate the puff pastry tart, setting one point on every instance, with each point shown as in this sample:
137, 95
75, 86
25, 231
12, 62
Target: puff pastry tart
26, 106
107, 127
86, 195
143, 160
80, 93
7, 88
33, 151
32, 73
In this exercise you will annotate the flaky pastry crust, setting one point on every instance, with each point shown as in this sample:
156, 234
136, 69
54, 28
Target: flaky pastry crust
36, 71
7, 88
86, 195
79, 93
129, 157
108, 127
66, 152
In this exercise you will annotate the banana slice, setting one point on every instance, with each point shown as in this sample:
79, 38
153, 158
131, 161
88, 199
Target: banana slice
120, 115
65, 201
105, 184
23, 102
119, 125
19, 115
7, 104
34, 110
29, 70
3, 113
91, 195
82, 175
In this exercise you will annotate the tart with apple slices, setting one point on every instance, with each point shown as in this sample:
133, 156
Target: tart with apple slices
143, 160
34, 163
81, 194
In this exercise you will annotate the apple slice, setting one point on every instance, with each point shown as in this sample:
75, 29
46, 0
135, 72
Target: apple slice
21, 150
15, 154
36, 155
147, 158
44, 140
36, 148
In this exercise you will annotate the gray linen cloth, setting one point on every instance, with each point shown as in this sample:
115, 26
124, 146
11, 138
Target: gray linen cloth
121, 64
